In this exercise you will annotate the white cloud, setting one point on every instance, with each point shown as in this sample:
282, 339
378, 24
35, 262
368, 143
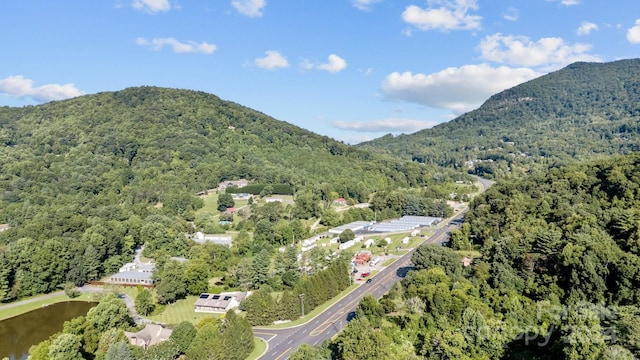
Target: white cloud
512, 14
151, 6
633, 34
586, 28
335, 64
393, 125
364, 5
272, 60
177, 46
550, 52
458, 89
18, 86
251, 8
569, 2
444, 15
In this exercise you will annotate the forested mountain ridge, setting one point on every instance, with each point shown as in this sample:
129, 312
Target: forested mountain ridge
580, 111
79, 178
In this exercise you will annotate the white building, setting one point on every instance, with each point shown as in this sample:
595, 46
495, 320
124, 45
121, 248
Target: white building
346, 245
202, 238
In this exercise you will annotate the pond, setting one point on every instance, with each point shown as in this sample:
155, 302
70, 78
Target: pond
19, 333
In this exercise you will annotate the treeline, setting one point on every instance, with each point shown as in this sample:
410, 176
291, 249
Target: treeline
263, 309
100, 336
557, 277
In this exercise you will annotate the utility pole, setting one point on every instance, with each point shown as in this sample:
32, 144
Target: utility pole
301, 303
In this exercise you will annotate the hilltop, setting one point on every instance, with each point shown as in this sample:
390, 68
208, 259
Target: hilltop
578, 112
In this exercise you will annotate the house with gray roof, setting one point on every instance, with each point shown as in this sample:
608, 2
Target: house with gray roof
151, 334
219, 303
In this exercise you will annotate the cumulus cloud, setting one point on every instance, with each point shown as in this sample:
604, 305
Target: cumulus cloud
392, 125
335, 64
272, 60
251, 8
177, 46
444, 16
633, 34
18, 86
586, 28
151, 6
458, 89
364, 5
551, 52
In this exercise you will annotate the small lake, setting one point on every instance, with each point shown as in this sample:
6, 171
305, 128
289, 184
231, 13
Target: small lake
19, 333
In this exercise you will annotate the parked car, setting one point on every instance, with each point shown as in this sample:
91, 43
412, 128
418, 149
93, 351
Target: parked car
365, 274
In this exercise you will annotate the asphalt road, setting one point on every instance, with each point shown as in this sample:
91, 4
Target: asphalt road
281, 342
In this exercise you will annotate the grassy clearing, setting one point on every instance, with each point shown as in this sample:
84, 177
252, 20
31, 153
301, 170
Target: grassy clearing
38, 303
210, 203
261, 347
181, 310
470, 253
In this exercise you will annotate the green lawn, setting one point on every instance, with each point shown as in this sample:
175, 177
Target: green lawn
210, 203
21, 309
261, 347
181, 310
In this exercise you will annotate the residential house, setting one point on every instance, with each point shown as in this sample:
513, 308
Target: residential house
151, 334
340, 201
241, 196
219, 303
233, 183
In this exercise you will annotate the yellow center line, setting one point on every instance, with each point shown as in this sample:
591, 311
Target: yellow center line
281, 355
326, 324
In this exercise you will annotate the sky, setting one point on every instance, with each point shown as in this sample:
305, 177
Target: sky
353, 70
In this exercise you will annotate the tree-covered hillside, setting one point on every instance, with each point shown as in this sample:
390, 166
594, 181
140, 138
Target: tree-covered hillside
557, 277
83, 180
581, 111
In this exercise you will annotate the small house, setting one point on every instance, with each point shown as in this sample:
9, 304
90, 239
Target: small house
152, 334
219, 303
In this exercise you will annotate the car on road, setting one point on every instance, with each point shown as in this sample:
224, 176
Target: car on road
369, 280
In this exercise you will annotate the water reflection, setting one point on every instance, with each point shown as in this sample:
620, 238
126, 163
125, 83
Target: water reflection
19, 333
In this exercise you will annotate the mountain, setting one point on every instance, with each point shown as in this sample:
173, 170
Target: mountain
82, 180
581, 111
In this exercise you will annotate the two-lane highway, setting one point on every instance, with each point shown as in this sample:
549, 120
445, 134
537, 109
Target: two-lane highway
281, 342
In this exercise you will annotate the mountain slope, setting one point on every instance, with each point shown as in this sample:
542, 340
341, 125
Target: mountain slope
142, 144
82, 180
583, 110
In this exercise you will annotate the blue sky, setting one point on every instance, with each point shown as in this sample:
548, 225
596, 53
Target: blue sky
350, 69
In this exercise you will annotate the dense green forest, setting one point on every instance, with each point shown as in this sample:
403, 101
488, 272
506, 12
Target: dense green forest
84, 181
581, 111
558, 277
